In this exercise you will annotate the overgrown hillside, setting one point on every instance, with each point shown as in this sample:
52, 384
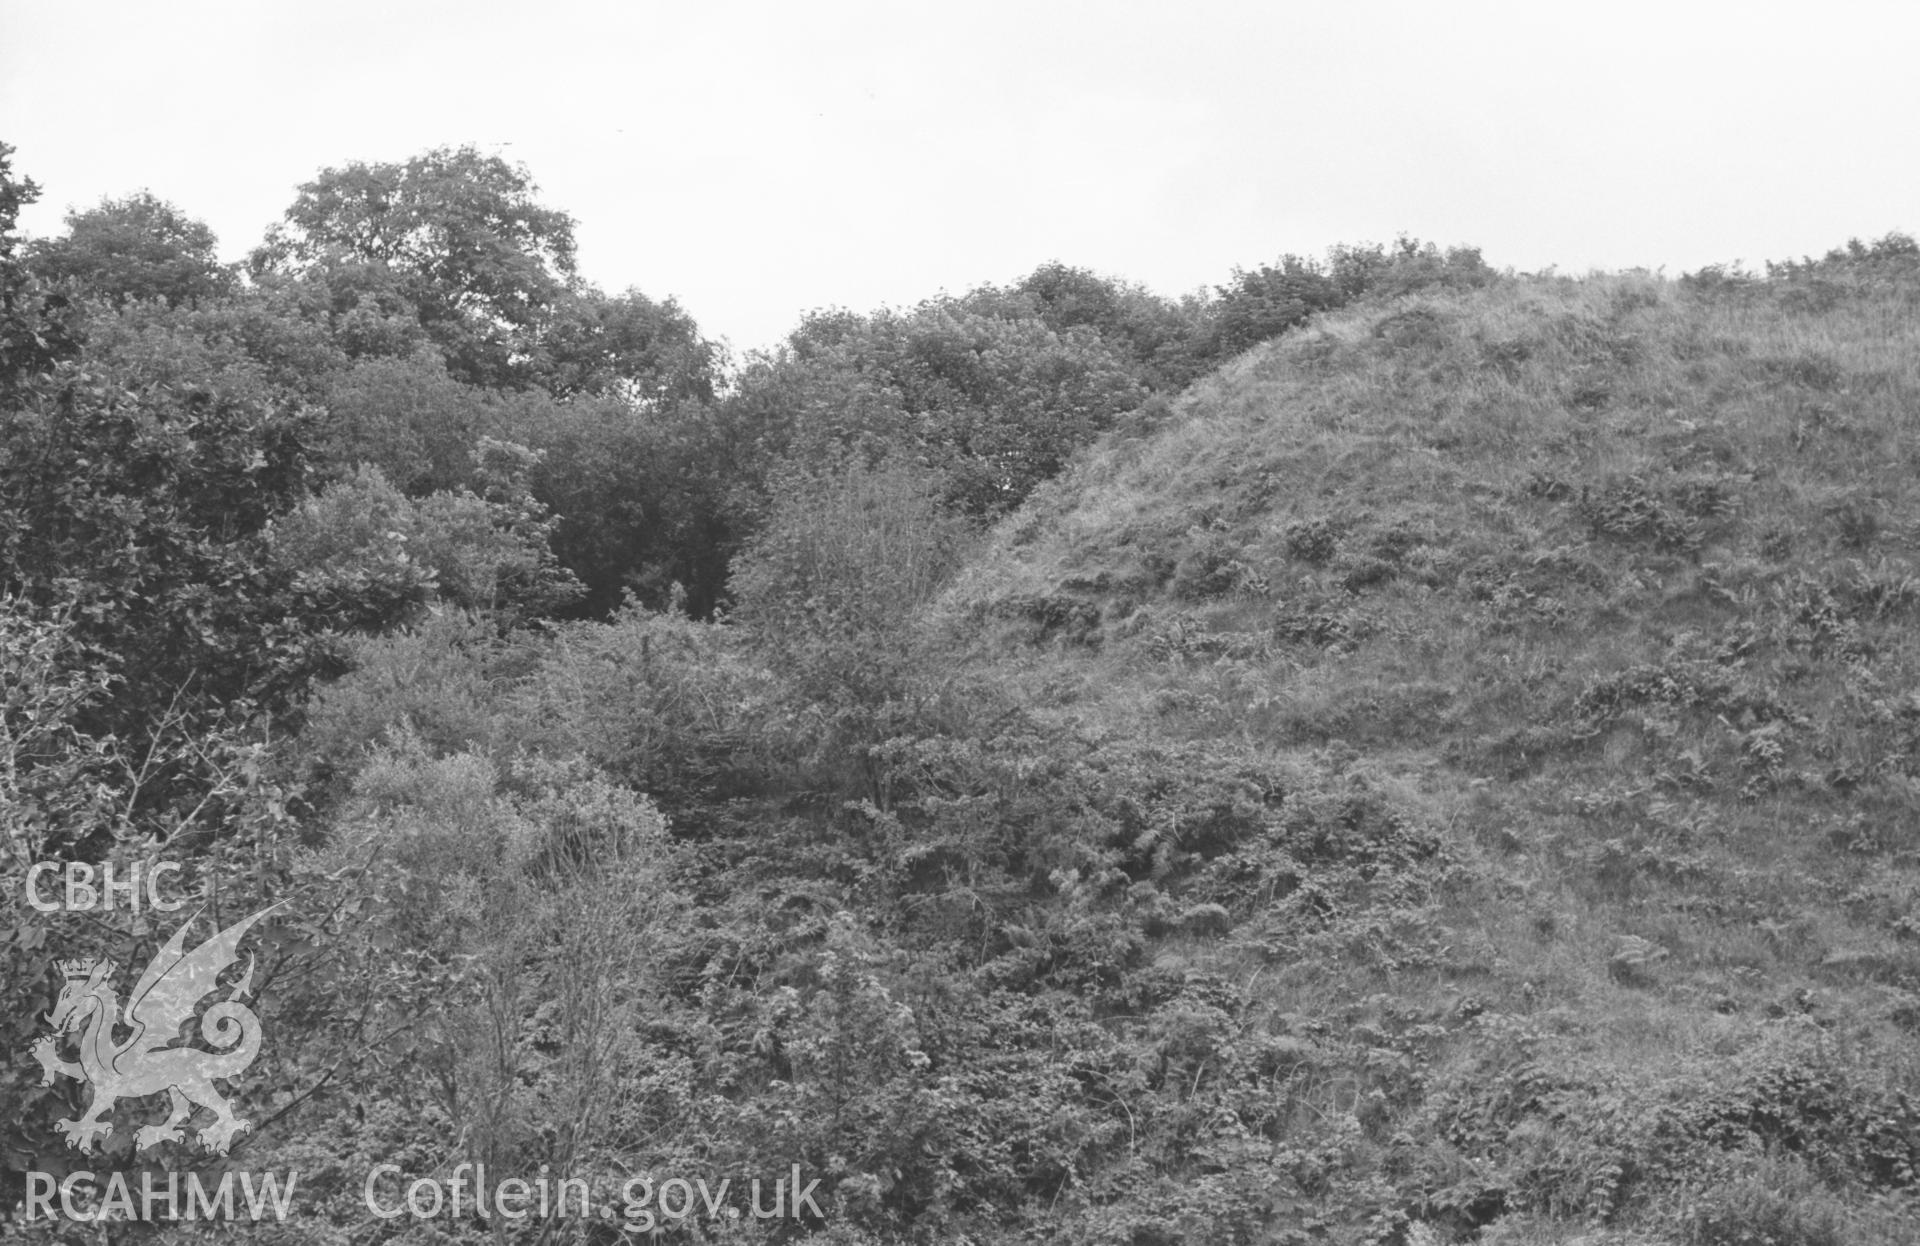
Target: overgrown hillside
1603, 592
1025, 768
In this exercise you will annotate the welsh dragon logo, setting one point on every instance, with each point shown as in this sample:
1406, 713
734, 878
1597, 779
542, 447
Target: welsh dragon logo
143, 1064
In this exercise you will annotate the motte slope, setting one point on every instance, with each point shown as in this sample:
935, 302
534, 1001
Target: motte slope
1611, 584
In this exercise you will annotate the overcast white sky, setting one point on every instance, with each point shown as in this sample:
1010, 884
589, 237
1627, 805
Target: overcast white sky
756, 160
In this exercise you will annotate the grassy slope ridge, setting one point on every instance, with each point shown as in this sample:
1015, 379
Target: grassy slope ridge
1612, 583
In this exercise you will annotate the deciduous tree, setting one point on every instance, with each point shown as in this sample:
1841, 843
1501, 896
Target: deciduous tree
648, 354
455, 236
139, 247
35, 325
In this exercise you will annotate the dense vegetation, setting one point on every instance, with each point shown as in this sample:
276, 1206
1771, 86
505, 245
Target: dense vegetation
1380, 752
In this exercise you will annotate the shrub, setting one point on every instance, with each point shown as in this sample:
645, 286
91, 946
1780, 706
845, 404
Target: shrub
49, 768
442, 680
667, 705
534, 893
365, 556
831, 586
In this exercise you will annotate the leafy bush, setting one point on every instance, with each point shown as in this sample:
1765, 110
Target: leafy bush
993, 405
363, 554
1264, 302
443, 682
50, 770
666, 705
832, 583
141, 515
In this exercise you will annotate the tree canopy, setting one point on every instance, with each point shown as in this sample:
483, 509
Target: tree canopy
34, 323
455, 237
138, 247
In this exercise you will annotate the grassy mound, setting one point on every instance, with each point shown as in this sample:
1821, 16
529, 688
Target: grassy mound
1611, 584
